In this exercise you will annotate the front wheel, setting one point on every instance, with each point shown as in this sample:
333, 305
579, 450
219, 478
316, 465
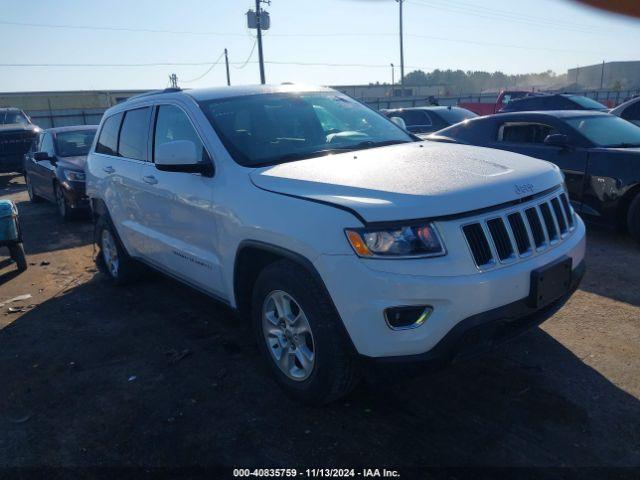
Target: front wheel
63, 204
16, 251
33, 198
300, 335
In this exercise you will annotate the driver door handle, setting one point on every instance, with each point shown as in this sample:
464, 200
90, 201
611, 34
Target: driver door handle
150, 179
108, 169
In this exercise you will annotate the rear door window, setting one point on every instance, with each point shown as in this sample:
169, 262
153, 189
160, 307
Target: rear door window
134, 134
108, 140
413, 118
524, 132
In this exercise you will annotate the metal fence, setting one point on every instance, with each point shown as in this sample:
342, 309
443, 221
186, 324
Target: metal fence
61, 118
609, 98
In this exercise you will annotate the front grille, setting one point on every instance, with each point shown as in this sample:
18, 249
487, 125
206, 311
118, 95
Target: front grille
15, 143
521, 232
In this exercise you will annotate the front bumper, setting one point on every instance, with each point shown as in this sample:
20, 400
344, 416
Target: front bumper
75, 194
484, 331
362, 290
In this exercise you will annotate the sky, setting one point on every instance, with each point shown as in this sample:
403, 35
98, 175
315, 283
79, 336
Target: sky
119, 44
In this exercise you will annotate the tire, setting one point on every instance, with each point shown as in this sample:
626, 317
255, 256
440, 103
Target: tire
64, 209
112, 259
33, 198
332, 372
633, 219
17, 254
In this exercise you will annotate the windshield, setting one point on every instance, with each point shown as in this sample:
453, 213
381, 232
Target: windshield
9, 117
275, 128
455, 115
607, 130
587, 103
74, 143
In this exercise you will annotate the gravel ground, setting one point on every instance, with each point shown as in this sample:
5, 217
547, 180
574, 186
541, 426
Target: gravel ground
156, 374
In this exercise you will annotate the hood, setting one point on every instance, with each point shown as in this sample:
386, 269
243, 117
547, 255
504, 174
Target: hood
73, 163
409, 181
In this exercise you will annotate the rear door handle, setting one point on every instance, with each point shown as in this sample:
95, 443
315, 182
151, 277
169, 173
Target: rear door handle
108, 169
150, 179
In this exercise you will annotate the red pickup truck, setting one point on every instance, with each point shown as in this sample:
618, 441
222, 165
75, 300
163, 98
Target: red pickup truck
489, 108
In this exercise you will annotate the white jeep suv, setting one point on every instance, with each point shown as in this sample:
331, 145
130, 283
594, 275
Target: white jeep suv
339, 234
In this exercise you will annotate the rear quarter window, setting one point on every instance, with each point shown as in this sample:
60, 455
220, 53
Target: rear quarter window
108, 140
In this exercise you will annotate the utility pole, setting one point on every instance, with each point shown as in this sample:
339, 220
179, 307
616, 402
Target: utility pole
400, 2
393, 77
226, 61
173, 80
602, 76
259, 28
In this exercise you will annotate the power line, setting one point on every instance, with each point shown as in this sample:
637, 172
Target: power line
482, 12
192, 64
246, 62
206, 72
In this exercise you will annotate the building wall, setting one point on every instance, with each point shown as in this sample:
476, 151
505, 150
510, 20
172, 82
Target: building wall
57, 109
627, 73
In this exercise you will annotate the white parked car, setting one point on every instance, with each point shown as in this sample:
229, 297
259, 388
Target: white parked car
340, 235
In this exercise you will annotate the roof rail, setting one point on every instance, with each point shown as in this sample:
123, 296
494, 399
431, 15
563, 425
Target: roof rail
155, 92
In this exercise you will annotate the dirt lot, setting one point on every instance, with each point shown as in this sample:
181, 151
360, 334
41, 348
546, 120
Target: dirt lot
92, 374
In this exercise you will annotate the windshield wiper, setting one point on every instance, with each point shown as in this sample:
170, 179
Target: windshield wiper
624, 145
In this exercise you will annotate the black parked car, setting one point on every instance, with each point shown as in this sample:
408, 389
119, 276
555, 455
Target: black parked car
421, 120
17, 134
54, 168
599, 154
558, 101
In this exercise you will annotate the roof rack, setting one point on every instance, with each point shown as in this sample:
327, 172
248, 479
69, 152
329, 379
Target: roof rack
155, 92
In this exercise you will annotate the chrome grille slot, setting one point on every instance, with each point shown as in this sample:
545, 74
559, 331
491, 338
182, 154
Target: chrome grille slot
567, 209
536, 226
478, 244
519, 232
500, 238
562, 223
552, 232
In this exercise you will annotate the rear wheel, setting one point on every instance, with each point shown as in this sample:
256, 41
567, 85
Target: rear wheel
633, 218
16, 251
33, 198
300, 336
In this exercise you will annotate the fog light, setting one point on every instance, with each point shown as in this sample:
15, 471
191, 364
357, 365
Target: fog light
403, 318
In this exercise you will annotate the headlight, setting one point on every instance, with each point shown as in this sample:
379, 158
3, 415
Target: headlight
402, 241
73, 176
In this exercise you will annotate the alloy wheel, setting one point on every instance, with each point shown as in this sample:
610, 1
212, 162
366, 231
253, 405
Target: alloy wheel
109, 253
288, 335
61, 201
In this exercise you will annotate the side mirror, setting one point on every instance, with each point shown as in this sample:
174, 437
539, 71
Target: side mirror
41, 156
399, 121
557, 140
181, 156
